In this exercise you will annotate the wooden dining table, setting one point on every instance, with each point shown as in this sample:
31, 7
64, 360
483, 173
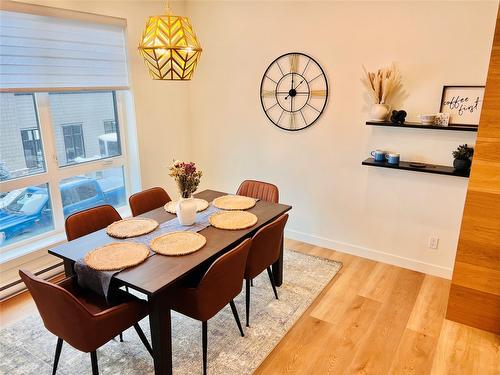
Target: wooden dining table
154, 276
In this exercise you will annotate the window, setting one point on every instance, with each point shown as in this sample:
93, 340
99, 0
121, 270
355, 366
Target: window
24, 213
21, 152
32, 148
78, 119
34, 198
109, 126
73, 142
63, 98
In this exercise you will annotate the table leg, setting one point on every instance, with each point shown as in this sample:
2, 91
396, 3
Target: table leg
69, 269
278, 266
161, 335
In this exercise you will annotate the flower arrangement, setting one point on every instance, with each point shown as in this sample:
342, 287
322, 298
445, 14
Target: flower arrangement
463, 152
187, 177
382, 84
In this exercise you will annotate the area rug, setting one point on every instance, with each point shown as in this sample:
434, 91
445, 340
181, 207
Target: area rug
26, 347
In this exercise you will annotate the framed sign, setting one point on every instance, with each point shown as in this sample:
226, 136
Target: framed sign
463, 103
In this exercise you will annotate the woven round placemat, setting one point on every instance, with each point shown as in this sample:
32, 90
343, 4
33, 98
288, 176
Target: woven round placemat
117, 256
234, 202
131, 227
201, 205
178, 243
233, 220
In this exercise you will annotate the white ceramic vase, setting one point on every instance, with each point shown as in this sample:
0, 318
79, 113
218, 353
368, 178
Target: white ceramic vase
379, 112
186, 211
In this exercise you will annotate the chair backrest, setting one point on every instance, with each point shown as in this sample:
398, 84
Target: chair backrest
223, 281
259, 190
59, 309
90, 220
148, 200
266, 247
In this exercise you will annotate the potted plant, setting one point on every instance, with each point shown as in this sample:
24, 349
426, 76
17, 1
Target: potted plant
188, 178
381, 86
463, 157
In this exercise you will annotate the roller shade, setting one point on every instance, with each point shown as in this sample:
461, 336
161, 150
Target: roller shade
46, 53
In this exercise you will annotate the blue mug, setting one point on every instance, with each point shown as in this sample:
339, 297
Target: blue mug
392, 158
378, 155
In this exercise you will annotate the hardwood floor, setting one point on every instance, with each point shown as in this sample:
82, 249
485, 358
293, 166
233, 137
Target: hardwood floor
372, 318
375, 318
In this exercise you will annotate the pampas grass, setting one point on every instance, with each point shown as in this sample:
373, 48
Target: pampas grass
382, 84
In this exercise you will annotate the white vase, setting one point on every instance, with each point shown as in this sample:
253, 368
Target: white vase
186, 211
379, 112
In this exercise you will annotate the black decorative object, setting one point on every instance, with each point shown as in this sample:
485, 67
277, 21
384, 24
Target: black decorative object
422, 167
294, 91
398, 117
463, 155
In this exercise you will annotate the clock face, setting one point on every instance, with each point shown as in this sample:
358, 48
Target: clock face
294, 91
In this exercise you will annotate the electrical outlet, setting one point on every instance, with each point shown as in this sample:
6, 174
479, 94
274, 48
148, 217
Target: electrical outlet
433, 242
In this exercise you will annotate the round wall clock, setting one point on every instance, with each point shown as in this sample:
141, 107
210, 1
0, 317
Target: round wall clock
294, 91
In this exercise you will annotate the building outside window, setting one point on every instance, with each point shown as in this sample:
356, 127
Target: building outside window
32, 147
73, 142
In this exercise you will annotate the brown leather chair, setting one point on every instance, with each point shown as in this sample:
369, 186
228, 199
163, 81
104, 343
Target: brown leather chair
218, 287
90, 220
148, 200
82, 318
265, 250
259, 190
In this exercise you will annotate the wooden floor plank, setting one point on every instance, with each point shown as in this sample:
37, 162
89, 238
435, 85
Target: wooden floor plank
376, 353
414, 354
380, 283
349, 330
339, 298
465, 350
430, 308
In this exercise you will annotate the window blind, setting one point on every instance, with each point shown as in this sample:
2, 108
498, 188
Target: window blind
47, 53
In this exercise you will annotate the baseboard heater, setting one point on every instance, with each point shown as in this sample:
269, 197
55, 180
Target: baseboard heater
4, 288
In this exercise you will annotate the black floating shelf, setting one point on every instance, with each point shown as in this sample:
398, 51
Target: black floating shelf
429, 168
417, 125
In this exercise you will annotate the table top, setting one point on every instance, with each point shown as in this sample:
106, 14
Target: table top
160, 271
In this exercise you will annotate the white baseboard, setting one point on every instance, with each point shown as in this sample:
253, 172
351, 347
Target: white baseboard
379, 256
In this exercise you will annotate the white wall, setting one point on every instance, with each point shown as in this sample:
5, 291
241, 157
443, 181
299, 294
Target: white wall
338, 203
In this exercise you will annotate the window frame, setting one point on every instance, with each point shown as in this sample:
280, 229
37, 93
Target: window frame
54, 173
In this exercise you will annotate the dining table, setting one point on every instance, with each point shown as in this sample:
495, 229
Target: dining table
158, 273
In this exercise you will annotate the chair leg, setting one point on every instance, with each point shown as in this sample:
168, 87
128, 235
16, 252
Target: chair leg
121, 336
271, 278
58, 354
236, 317
251, 282
143, 338
204, 343
247, 304
93, 358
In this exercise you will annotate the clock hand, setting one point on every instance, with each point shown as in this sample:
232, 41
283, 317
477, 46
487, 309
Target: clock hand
301, 82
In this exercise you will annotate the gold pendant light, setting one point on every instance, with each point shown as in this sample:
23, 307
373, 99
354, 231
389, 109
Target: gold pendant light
169, 47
